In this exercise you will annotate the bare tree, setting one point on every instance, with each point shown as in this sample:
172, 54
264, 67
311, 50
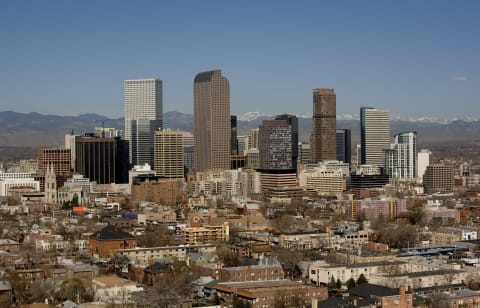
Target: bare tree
283, 223
41, 290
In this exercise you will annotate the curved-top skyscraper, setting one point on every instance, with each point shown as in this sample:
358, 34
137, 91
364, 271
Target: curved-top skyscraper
211, 102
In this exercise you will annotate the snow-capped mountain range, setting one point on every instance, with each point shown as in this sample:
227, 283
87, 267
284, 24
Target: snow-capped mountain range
253, 115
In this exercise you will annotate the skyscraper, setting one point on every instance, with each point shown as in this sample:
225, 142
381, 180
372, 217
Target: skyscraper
423, 162
103, 160
323, 139
57, 158
233, 137
401, 157
344, 144
438, 178
293, 122
169, 155
276, 143
374, 135
143, 115
211, 94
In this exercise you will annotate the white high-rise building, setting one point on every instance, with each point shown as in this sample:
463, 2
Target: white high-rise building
374, 135
401, 157
254, 139
143, 116
70, 144
423, 162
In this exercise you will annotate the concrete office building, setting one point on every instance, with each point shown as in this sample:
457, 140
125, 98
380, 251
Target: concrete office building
401, 157
243, 143
70, 145
58, 158
344, 144
254, 138
423, 162
12, 180
212, 121
438, 178
293, 122
143, 116
253, 158
374, 135
323, 139
169, 154
304, 153
278, 143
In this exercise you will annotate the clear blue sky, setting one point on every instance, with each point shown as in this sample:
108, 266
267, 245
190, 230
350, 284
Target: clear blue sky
410, 57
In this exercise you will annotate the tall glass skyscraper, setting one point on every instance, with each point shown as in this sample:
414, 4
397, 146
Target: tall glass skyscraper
374, 135
211, 95
143, 116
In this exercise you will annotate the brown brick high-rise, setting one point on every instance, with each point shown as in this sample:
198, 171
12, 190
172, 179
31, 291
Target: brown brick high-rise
323, 139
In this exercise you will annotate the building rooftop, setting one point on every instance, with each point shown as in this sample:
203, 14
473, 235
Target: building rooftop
111, 233
366, 290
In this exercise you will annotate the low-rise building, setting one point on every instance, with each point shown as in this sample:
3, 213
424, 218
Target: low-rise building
263, 271
302, 241
420, 279
270, 293
144, 256
102, 243
322, 274
371, 295
9, 245
205, 235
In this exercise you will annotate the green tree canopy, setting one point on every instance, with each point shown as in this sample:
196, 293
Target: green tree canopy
351, 283
338, 284
361, 279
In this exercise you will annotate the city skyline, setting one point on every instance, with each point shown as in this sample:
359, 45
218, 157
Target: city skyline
72, 58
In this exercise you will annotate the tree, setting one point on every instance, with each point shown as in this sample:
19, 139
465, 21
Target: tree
361, 279
72, 289
172, 288
41, 290
158, 236
402, 236
351, 283
338, 284
332, 282
74, 201
283, 223
416, 215
238, 303
473, 282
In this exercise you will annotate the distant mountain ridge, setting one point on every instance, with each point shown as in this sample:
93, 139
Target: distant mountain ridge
35, 129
